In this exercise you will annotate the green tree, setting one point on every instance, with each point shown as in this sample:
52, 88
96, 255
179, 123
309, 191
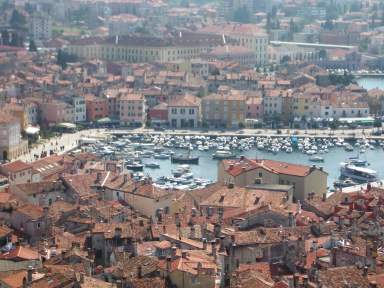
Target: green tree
17, 19
242, 15
323, 54
32, 46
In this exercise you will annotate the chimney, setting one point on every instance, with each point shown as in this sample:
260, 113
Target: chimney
125, 178
291, 220
213, 243
324, 197
305, 281
204, 244
365, 271
194, 212
119, 284
29, 274
296, 278
169, 261
222, 247
192, 234
242, 158
173, 252
139, 272
98, 177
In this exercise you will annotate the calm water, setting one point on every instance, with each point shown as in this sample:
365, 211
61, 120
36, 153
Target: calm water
207, 167
371, 82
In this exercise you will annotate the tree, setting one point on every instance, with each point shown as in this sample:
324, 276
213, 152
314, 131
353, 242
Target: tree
269, 22
17, 19
291, 29
323, 54
242, 15
286, 59
32, 46
63, 58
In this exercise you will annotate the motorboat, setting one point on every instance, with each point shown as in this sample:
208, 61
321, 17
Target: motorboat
344, 183
153, 165
185, 159
134, 166
162, 156
221, 154
357, 174
316, 159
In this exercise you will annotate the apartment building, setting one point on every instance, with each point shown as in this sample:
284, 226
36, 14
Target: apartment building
131, 109
224, 110
11, 144
184, 112
245, 172
41, 27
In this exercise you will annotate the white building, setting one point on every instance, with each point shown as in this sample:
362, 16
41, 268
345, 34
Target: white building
41, 27
11, 144
78, 103
247, 35
184, 112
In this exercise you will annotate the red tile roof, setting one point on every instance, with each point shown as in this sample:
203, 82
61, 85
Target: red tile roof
15, 166
237, 167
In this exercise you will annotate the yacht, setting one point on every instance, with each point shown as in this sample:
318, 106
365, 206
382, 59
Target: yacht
221, 154
152, 165
316, 159
357, 174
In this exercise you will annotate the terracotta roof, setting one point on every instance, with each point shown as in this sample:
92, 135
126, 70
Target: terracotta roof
244, 198
339, 277
32, 211
21, 252
185, 101
237, 167
15, 167
14, 280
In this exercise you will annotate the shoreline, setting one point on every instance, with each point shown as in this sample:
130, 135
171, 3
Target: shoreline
70, 141
334, 134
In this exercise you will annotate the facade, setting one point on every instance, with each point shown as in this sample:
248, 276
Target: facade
304, 179
11, 144
97, 108
132, 109
224, 110
41, 27
53, 112
79, 106
184, 112
32, 220
17, 172
248, 35
135, 49
273, 105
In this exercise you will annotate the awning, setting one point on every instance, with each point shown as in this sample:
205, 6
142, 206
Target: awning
32, 130
107, 120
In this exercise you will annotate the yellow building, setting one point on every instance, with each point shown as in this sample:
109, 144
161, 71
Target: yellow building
224, 110
245, 172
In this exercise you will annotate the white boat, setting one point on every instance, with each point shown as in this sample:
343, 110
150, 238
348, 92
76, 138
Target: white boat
152, 165
221, 154
316, 159
358, 174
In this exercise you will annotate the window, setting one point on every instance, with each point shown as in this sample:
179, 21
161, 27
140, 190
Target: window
174, 111
260, 174
182, 111
38, 225
191, 111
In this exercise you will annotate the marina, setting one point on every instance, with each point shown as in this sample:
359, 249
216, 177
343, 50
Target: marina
190, 162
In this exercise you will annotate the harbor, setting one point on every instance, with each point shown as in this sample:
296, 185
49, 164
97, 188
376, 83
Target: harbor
197, 156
